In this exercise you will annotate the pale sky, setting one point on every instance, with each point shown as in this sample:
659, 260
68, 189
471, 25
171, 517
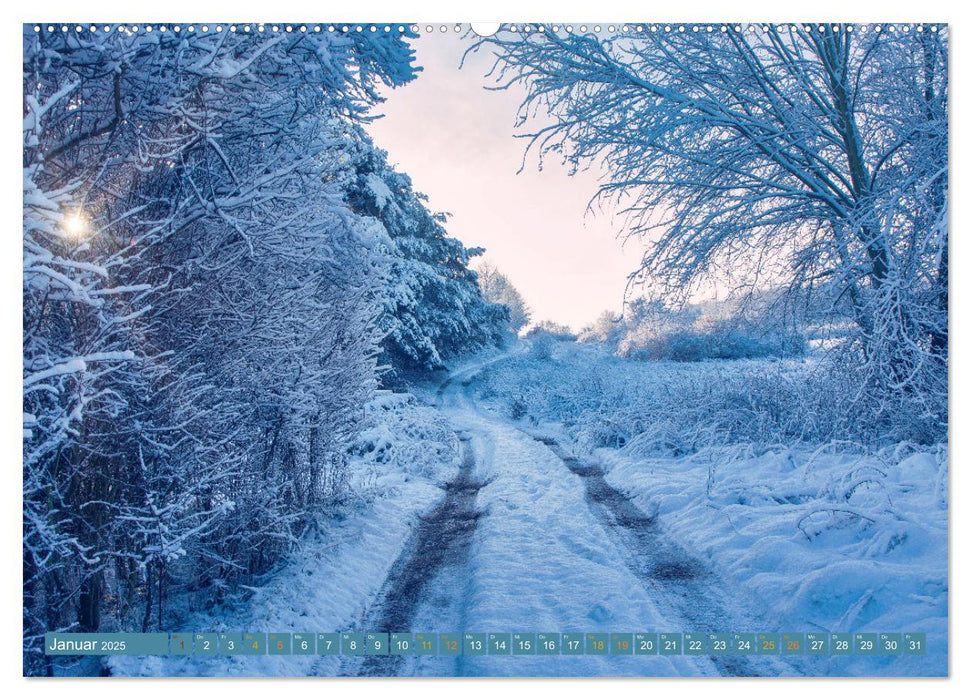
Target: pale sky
455, 139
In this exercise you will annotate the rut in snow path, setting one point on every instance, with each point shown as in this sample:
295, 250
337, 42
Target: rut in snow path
680, 584
678, 581
441, 540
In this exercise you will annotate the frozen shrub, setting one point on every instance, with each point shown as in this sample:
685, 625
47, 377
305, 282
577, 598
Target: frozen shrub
541, 344
677, 408
717, 344
405, 436
710, 331
558, 331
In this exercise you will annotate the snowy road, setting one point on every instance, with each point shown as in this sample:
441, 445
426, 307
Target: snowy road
529, 539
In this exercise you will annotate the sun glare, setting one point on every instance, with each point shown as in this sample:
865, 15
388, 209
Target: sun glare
76, 224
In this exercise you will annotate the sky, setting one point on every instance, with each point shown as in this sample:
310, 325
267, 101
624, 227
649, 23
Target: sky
455, 139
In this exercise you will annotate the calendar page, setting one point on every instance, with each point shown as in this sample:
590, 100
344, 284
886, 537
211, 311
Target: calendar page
606, 348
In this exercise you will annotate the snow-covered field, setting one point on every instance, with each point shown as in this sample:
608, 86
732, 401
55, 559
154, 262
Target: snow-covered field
813, 538
834, 537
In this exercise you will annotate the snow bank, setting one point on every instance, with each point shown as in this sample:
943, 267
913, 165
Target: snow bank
871, 561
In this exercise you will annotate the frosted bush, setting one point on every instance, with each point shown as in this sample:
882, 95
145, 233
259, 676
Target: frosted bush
406, 436
541, 344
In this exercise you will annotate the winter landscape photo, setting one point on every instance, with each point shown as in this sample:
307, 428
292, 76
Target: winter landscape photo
607, 349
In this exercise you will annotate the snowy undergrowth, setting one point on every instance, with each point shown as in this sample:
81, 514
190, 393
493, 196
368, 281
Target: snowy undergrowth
767, 483
397, 469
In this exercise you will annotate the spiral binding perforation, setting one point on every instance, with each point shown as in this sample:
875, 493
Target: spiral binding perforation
261, 28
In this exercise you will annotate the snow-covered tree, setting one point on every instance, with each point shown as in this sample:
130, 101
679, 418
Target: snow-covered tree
200, 313
498, 289
433, 307
607, 328
778, 155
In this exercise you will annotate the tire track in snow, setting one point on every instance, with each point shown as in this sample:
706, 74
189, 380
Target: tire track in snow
424, 578
676, 579
440, 542
679, 583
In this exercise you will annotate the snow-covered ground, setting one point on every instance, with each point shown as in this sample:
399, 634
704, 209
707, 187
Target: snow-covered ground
564, 529
823, 554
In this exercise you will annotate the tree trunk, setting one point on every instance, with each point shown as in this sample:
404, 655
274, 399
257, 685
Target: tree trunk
147, 619
89, 604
